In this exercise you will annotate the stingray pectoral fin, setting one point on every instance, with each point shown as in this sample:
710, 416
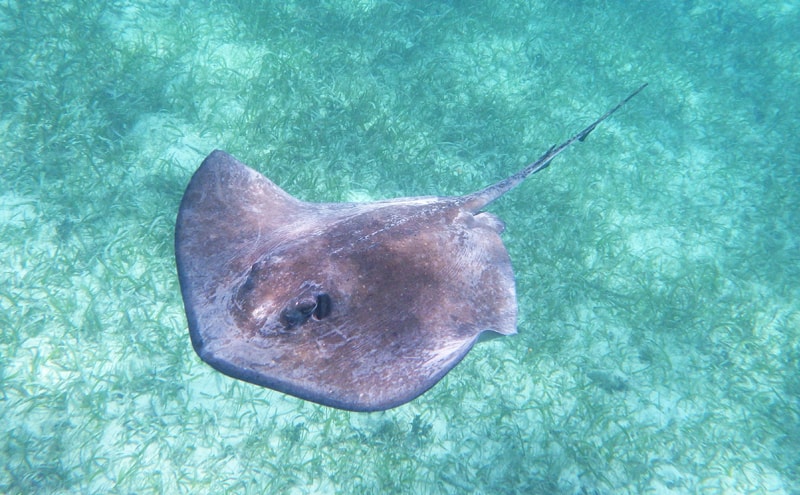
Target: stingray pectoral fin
227, 213
491, 221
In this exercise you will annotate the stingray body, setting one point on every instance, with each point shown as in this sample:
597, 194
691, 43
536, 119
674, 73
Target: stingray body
359, 306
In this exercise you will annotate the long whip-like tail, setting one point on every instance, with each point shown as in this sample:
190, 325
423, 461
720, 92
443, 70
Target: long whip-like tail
479, 199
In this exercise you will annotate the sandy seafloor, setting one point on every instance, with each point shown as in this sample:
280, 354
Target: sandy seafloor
657, 263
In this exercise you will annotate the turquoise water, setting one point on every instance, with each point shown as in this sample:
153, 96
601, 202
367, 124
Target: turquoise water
657, 263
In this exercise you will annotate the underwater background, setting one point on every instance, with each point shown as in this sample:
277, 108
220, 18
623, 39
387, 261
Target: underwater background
657, 263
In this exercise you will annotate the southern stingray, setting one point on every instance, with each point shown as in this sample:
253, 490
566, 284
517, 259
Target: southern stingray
359, 306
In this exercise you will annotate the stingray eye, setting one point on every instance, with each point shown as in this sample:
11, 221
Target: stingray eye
323, 308
297, 312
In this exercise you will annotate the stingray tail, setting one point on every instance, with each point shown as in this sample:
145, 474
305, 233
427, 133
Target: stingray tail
479, 199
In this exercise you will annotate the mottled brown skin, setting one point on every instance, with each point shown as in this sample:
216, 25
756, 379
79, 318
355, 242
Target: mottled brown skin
360, 306
412, 283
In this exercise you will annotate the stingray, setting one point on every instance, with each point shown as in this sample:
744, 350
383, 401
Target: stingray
358, 306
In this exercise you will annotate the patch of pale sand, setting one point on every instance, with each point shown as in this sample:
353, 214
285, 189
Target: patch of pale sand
359, 196
46, 372
224, 66
17, 211
165, 137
